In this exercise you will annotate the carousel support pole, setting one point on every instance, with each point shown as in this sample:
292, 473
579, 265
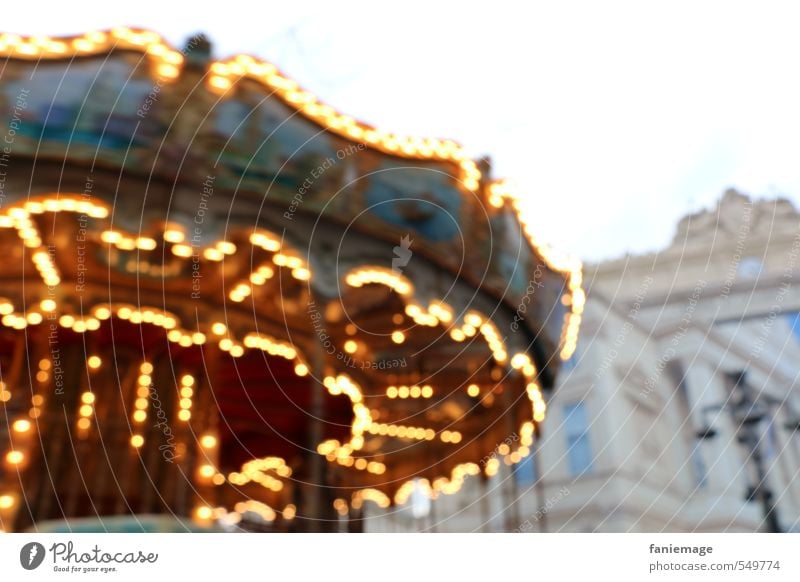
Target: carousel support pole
486, 511
512, 519
541, 500
314, 489
355, 520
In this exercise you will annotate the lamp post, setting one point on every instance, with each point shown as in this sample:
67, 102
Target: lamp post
748, 411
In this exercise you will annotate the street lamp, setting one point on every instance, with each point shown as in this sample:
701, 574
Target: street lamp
748, 412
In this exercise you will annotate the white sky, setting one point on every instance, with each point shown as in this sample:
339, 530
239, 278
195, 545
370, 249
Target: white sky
615, 118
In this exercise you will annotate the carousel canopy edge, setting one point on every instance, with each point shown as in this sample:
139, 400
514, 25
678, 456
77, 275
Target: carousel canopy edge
222, 77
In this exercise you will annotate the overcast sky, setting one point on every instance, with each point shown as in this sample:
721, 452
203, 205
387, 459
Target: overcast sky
615, 118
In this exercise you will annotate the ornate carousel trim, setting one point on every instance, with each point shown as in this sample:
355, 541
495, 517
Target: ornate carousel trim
167, 65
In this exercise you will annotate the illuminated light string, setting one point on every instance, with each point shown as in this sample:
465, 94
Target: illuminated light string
379, 275
439, 313
18, 217
501, 191
167, 64
185, 402
342, 453
374, 495
205, 514
288, 259
258, 471
336, 385
159, 318
85, 411
144, 384
415, 391
225, 73
166, 61
440, 486
413, 432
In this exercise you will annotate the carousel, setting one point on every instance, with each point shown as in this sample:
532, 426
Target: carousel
226, 305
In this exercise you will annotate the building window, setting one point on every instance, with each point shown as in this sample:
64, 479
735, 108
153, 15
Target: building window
576, 427
525, 471
750, 268
793, 319
698, 465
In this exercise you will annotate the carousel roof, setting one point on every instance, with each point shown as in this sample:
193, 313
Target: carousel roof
222, 205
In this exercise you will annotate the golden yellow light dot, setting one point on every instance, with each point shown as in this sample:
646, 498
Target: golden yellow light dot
184, 415
219, 328
15, 457
48, 305
5, 395
86, 410
301, 370
361, 464
186, 403
186, 392
208, 441
42, 376
403, 392
398, 337
143, 391
21, 425
141, 403
427, 391
6, 501
415, 392
473, 390
187, 380
94, 362
173, 236
139, 416
457, 335
137, 440
218, 479
37, 400
44, 364
350, 346
146, 368
144, 380
102, 313
391, 392
34, 318
84, 423
87, 398
207, 471
203, 512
